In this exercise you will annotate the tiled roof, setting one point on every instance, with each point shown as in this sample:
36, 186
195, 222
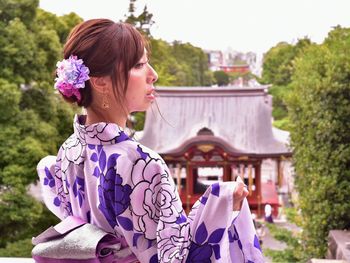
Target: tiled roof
241, 117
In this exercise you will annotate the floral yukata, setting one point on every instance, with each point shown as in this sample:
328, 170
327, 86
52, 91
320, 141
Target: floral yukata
107, 179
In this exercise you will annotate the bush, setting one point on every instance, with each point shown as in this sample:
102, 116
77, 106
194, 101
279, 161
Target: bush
319, 108
293, 252
20, 249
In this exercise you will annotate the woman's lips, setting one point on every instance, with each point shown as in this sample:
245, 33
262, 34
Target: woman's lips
150, 95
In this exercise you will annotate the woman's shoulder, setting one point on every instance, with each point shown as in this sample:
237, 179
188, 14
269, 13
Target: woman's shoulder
72, 142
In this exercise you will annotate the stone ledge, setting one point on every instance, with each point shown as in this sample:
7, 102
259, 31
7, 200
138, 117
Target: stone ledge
316, 260
337, 245
17, 260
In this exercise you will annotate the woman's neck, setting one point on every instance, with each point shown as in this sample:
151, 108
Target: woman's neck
105, 115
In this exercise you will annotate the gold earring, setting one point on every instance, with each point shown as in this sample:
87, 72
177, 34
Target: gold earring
105, 101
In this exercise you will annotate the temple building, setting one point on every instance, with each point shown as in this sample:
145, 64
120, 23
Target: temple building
208, 134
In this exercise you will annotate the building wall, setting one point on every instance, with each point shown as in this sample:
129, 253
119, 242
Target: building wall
269, 173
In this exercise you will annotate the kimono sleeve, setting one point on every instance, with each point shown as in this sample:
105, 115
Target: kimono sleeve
161, 231
46, 173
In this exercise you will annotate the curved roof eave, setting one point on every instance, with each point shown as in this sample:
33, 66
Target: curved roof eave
210, 139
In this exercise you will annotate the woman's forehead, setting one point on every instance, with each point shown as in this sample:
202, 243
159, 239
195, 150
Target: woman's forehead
145, 53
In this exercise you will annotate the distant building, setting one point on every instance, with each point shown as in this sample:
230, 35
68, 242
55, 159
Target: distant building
216, 59
208, 134
235, 68
234, 61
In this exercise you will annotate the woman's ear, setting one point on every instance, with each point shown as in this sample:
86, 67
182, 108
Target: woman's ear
101, 84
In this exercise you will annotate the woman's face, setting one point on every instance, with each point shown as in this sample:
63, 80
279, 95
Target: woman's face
140, 90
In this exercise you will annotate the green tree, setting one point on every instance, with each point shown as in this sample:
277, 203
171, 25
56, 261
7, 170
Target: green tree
33, 120
278, 69
319, 108
143, 22
192, 64
180, 64
245, 76
60, 25
24, 10
17, 52
162, 61
222, 78
278, 64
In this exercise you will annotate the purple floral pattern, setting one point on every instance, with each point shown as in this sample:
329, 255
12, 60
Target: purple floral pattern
160, 201
60, 186
203, 247
143, 154
49, 179
256, 242
174, 244
98, 156
113, 195
78, 190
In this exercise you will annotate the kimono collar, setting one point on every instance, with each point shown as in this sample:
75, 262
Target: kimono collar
101, 133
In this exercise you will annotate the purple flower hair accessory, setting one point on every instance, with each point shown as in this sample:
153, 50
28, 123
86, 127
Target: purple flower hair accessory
71, 76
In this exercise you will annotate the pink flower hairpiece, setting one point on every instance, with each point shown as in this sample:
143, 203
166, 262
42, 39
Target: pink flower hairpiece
71, 76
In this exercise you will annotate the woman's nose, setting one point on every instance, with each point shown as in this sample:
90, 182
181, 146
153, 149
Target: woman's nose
153, 76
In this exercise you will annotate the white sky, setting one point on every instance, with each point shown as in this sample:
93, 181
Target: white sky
245, 25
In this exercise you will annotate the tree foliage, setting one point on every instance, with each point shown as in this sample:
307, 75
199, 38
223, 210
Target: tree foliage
319, 108
24, 10
221, 78
143, 22
180, 64
293, 252
278, 69
32, 117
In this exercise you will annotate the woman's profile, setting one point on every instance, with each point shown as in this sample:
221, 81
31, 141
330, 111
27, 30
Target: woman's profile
106, 178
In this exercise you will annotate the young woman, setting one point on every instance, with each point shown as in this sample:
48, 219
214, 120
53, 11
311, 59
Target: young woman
107, 179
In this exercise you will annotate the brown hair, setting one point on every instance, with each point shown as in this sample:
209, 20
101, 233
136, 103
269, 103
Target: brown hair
107, 49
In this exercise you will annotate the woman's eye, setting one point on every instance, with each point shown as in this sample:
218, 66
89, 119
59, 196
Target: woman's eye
140, 65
